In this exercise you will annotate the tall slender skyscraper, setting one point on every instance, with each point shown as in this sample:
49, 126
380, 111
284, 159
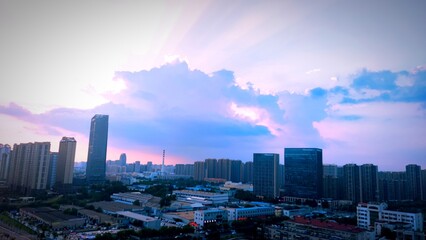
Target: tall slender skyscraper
96, 159
65, 163
303, 172
265, 175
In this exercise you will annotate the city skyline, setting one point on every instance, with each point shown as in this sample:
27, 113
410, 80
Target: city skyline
210, 79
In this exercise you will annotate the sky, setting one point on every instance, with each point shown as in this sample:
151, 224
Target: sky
218, 79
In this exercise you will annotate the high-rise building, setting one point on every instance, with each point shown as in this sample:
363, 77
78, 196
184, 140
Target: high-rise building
331, 187
223, 168
199, 171
149, 166
351, 182
4, 161
96, 159
138, 166
184, 169
29, 167
51, 179
123, 159
332, 181
210, 165
303, 172
392, 186
423, 177
369, 183
66, 158
265, 174
248, 172
281, 176
414, 189
330, 170
236, 171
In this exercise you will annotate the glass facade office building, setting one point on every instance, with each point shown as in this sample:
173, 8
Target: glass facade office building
96, 159
303, 172
266, 175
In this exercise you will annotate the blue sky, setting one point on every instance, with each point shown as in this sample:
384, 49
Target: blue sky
221, 79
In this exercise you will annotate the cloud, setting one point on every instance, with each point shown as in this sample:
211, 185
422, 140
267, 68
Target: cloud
318, 92
196, 115
177, 108
383, 80
385, 86
313, 71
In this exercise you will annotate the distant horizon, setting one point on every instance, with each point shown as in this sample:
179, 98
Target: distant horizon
207, 79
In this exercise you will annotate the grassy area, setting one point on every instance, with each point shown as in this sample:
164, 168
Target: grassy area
12, 222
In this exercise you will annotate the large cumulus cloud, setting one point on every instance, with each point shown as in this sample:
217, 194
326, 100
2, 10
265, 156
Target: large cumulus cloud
377, 117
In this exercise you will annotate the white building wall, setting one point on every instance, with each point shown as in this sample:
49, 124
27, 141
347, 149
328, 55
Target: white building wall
366, 213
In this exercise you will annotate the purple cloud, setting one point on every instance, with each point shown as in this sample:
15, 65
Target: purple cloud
196, 115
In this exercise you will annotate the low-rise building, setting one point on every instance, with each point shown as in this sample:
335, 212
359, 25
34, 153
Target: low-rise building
316, 229
145, 200
214, 215
149, 202
250, 212
236, 186
215, 198
143, 220
53, 218
94, 217
368, 214
111, 208
183, 217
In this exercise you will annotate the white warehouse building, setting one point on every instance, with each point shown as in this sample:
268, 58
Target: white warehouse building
214, 198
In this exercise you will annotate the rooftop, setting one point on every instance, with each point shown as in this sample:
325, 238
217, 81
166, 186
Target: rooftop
136, 216
115, 206
327, 224
197, 192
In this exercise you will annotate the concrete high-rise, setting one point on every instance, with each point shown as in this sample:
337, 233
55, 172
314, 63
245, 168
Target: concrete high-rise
303, 172
29, 167
51, 179
199, 171
123, 159
265, 175
369, 183
236, 171
223, 169
351, 182
4, 161
248, 172
423, 184
392, 186
184, 169
210, 165
414, 186
66, 158
96, 159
